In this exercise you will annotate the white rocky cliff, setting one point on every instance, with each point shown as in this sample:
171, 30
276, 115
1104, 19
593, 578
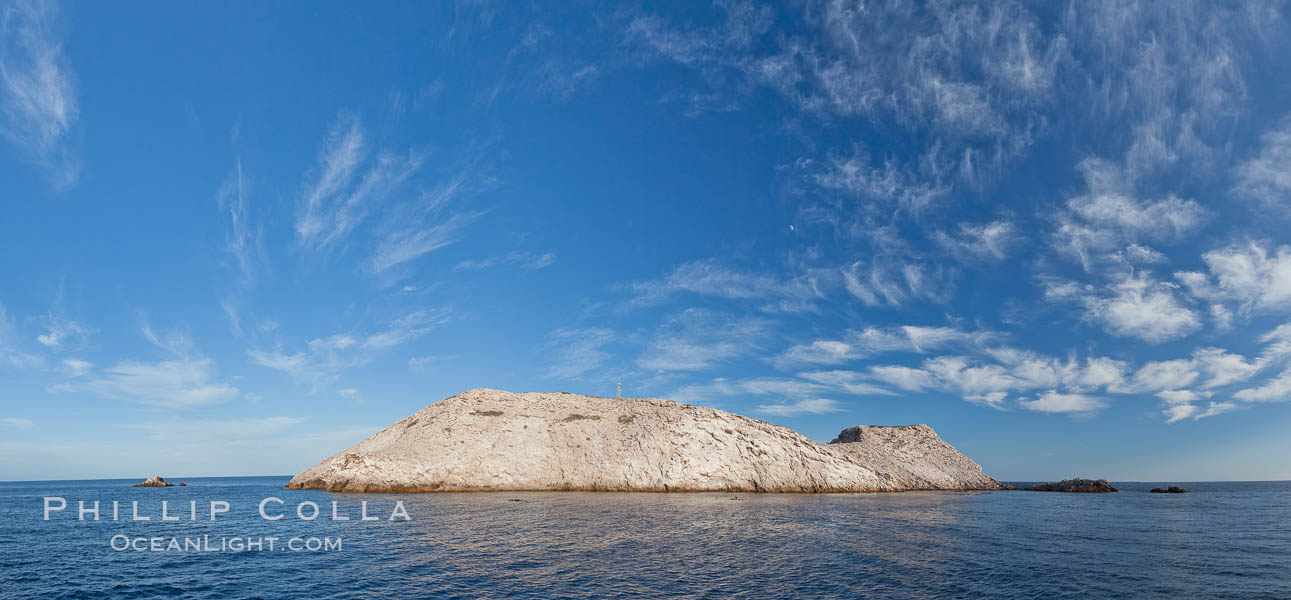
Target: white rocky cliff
495, 440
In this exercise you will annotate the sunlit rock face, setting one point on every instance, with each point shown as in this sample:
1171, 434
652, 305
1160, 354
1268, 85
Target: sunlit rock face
494, 440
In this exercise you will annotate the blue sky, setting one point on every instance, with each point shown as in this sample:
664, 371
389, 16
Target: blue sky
236, 239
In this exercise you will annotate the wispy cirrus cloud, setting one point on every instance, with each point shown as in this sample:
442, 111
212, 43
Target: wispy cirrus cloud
578, 351
1266, 176
324, 358
696, 339
814, 406
351, 181
713, 278
406, 244
339, 157
242, 238
62, 333
891, 281
183, 380
11, 353
182, 383
38, 96
990, 241
527, 261
191, 431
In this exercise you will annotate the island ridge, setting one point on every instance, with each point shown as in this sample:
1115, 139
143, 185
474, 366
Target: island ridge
492, 440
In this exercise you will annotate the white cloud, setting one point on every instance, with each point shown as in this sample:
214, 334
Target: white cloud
1109, 220
1054, 402
1267, 175
1140, 255
972, 379
814, 406
18, 422
992, 399
1282, 333
1277, 389
62, 333
1135, 306
38, 97
1179, 403
819, 352
1174, 397
873, 340
184, 383
902, 377
1101, 372
987, 241
1164, 219
1225, 368
1177, 412
850, 382
1217, 408
1251, 277
808, 388
76, 367
1160, 375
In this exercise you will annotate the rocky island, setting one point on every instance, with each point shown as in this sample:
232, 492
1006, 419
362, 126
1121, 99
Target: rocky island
156, 481
1174, 489
1085, 486
484, 440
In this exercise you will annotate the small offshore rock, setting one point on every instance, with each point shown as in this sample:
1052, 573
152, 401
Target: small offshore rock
155, 481
1082, 486
1174, 489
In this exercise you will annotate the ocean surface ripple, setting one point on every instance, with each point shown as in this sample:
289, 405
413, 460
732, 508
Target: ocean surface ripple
1222, 540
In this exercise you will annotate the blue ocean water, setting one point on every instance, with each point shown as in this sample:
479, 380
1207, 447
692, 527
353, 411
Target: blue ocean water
1222, 540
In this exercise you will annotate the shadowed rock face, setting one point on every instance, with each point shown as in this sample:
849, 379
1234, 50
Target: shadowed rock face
1075, 485
494, 440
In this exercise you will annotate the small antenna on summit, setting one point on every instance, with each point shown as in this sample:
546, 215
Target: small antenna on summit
620, 392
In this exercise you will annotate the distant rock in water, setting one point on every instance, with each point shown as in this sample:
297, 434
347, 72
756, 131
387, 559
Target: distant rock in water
1174, 489
156, 481
495, 440
1092, 486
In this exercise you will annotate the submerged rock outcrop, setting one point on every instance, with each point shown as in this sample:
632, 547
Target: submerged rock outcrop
155, 481
494, 440
1087, 486
1174, 489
